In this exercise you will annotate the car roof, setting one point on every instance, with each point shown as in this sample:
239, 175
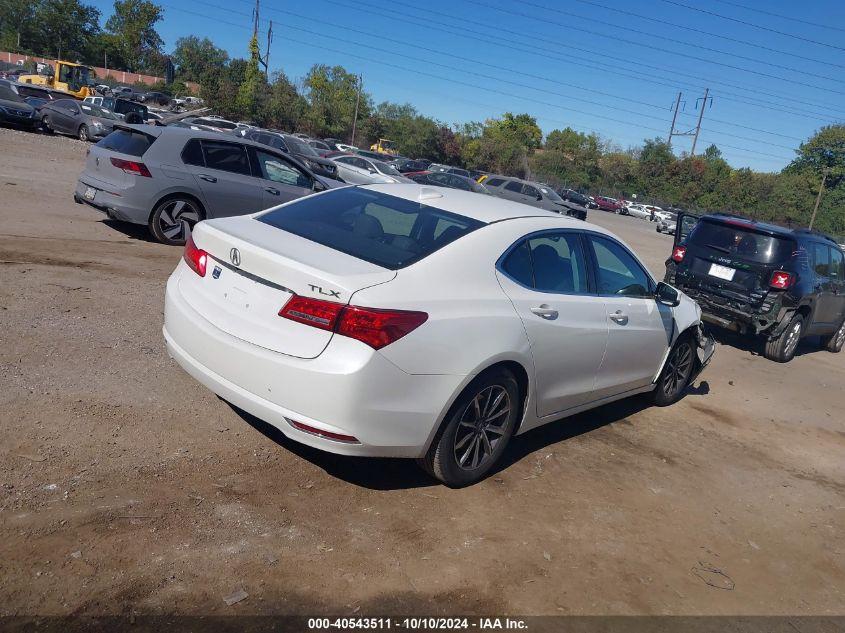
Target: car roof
773, 229
470, 204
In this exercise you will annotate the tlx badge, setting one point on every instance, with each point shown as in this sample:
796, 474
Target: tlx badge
328, 293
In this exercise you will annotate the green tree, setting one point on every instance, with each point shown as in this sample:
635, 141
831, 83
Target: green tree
16, 17
66, 27
133, 22
331, 93
249, 92
194, 57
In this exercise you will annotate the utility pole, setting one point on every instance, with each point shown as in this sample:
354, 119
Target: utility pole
255, 12
819, 196
266, 60
357, 101
674, 118
700, 116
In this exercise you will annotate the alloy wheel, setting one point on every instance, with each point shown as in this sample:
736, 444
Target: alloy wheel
483, 425
176, 219
678, 368
83, 133
840, 336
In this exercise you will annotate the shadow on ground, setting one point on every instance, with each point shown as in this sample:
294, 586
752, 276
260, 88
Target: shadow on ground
396, 474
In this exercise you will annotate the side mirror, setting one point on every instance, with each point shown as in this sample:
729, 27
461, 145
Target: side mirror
539, 197
667, 295
318, 186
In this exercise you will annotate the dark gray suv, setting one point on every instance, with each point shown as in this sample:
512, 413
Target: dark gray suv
534, 194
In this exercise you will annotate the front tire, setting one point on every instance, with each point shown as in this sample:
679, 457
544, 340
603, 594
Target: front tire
836, 340
675, 377
83, 134
782, 348
45, 124
173, 218
476, 430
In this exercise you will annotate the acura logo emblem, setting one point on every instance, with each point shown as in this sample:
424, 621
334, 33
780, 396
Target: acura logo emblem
235, 256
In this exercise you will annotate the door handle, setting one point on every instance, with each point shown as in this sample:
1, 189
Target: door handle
272, 190
545, 311
620, 317
208, 178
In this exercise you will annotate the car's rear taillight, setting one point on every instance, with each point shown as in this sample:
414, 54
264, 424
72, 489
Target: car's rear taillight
195, 257
132, 167
374, 326
314, 312
781, 280
678, 253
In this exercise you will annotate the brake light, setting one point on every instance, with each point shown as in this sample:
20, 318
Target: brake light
131, 167
678, 253
195, 257
781, 280
372, 326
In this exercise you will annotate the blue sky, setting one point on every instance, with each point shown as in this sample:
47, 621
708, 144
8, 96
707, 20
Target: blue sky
613, 67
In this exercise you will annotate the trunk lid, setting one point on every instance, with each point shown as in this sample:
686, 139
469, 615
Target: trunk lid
244, 300
124, 142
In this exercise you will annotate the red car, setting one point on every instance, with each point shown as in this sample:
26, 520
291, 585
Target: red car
609, 204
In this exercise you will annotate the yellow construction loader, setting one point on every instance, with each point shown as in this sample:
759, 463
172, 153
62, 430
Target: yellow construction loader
384, 146
63, 76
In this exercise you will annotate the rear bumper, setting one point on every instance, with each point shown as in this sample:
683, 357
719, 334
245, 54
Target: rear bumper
106, 199
349, 389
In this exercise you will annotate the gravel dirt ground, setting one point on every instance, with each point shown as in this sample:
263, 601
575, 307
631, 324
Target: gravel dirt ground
126, 487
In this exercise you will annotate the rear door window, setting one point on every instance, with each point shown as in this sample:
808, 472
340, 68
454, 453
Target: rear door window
127, 142
192, 154
558, 263
837, 265
517, 265
375, 227
821, 260
494, 182
530, 191
230, 157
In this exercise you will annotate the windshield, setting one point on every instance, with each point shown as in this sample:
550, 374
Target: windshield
551, 194
741, 242
367, 224
300, 147
8, 94
95, 110
384, 168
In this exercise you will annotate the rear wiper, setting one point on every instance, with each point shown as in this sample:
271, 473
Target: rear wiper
719, 248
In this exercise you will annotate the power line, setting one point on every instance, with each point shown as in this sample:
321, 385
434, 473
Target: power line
463, 31
752, 25
695, 30
671, 52
463, 83
499, 79
780, 15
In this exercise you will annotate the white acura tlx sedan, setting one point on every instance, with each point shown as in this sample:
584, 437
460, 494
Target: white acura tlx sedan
408, 321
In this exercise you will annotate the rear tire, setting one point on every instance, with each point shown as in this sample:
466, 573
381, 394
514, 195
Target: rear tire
782, 348
675, 377
476, 430
173, 218
83, 133
836, 340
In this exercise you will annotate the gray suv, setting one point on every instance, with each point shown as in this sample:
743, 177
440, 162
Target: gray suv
534, 194
169, 178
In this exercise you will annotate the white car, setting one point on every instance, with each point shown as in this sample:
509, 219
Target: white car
638, 211
429, 323
359, 170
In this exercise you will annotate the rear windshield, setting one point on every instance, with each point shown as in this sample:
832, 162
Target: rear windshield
382, 229
127, 142
742, 243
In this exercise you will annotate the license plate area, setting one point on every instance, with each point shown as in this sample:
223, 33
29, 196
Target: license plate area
90, 192
722, 272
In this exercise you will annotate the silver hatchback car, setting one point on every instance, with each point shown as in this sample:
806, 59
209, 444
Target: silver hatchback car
169, 178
